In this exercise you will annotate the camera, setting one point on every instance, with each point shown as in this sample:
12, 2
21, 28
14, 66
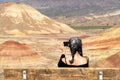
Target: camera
66, 44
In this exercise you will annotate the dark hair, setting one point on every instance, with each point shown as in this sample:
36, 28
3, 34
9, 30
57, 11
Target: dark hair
75, 45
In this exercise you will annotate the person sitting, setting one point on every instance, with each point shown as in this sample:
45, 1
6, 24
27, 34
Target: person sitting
76, 59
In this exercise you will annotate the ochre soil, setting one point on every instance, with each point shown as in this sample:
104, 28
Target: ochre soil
49, 48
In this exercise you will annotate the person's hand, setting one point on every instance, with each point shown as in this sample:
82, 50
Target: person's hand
62, 48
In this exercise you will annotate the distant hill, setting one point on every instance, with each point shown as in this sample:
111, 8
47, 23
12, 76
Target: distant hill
74, 12
104, 48
110, 62
80, 12
111, 18
76, 7
20, 19
110, 39
14, 54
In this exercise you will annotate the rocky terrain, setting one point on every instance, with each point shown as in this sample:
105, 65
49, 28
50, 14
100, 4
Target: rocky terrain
21, 19
106, 19
106, 40
19, 55
27, 37
17, 42
113, 61
78, 12
105, 46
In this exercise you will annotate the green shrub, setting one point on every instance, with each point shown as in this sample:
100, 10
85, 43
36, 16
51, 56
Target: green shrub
90, 27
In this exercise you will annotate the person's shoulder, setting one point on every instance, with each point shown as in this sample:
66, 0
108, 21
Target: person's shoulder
62, 56
86, 57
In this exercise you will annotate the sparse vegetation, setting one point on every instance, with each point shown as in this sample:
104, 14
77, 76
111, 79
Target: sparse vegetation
90, 27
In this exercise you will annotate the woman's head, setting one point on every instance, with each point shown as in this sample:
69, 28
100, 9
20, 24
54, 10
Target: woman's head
75, 45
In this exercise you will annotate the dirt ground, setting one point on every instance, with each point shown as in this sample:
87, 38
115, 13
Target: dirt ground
50, 46
1, 74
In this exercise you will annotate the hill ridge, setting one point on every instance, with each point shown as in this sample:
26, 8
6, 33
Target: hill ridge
23, 19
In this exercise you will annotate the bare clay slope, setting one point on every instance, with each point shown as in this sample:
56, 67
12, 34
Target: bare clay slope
108, 40
112, 62
17, 55
21, 19
104, 49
